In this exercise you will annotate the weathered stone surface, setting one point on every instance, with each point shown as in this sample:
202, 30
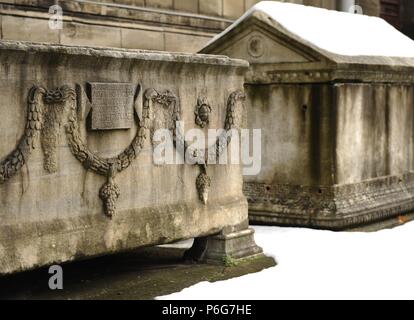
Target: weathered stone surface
101, 192
233, 8
86, 35
224, 247
165, 4
135, 24
249, 3
111, 24
174, 41
112, 105
142, 39
337, 130
186, 5
213, 7
28, 29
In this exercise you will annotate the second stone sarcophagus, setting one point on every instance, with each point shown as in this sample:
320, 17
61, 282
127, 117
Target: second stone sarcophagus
77, 172
333, 94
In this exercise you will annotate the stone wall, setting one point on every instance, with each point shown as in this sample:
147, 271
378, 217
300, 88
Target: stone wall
108, 25
230, 9
174, 25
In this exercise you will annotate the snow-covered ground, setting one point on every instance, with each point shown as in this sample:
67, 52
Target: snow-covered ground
316, 264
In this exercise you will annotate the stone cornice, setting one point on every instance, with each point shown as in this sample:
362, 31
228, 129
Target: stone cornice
268, 74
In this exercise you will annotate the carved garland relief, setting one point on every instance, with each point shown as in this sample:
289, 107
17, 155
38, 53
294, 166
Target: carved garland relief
168, 101
34, 122
46, 111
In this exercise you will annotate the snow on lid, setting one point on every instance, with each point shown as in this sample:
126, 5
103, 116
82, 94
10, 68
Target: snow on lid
337, 32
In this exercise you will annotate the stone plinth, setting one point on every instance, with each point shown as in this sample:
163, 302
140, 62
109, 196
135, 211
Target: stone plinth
77, 174
336, 115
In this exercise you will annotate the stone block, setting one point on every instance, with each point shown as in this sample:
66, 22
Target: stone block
224, 248
28, 29
211, 7
142, 39
250, 3
186, 5
164, 4
177, 42
233, 9
137, 3
83, 34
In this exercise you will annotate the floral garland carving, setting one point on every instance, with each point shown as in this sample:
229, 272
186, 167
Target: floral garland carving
53, 113
12, 163
38, 113
167, 99
107, 167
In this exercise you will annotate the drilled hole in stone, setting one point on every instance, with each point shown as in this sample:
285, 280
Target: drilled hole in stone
304, 107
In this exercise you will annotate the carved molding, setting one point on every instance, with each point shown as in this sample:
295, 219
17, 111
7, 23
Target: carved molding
271, 75
107, 167
48, 109
256, 46
169, 101
333, 207
165, 117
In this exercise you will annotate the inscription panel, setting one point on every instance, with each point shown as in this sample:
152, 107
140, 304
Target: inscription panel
112, 105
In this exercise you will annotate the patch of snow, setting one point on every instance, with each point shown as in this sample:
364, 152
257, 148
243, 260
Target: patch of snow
184, 244
314, 264
337, 32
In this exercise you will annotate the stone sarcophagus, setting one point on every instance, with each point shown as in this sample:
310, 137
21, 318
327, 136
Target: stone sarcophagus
77, 171
334, 96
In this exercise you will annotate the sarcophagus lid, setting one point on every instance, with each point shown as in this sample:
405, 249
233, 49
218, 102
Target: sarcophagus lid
287, 42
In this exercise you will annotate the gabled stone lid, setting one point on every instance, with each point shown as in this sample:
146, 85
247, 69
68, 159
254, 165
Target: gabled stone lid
287, 42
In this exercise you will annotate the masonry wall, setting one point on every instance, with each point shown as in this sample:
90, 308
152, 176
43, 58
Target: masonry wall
170, 25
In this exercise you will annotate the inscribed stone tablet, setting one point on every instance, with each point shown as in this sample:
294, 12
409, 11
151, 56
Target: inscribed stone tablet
112, 105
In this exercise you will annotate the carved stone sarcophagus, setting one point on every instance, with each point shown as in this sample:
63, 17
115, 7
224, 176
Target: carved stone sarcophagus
77, 171
333, 94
